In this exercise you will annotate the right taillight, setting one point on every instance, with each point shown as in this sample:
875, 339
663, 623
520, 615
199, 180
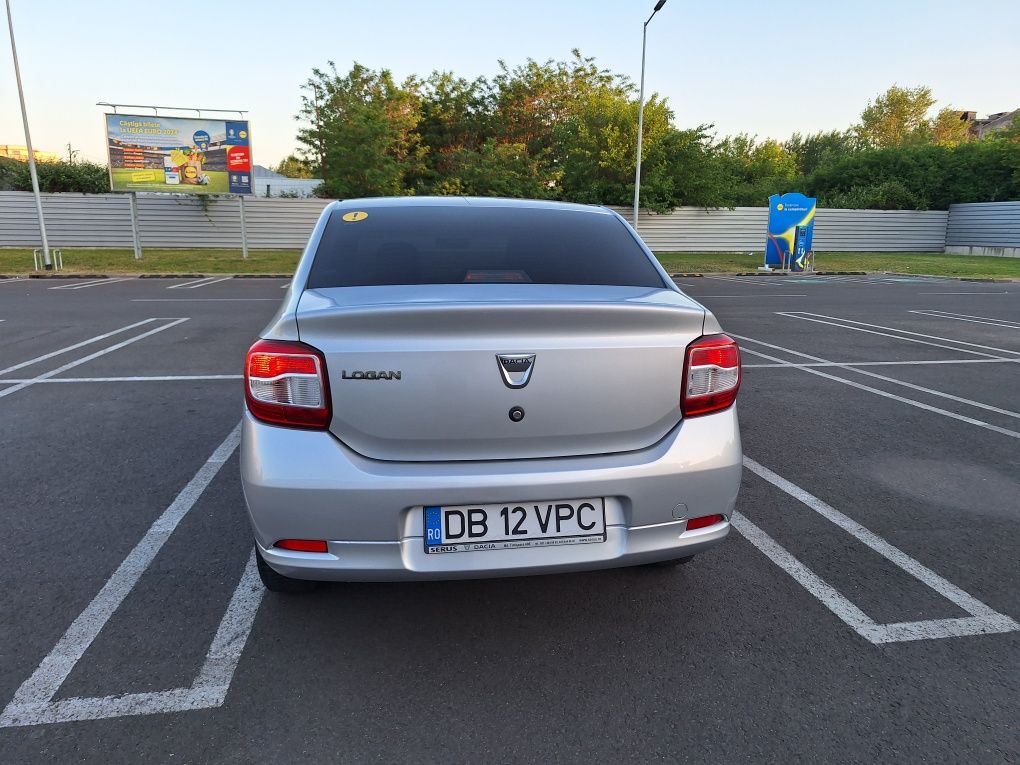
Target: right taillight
711, 375
285, 383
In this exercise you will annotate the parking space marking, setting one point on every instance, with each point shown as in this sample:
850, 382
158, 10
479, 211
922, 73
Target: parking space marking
205, 281
750, 296
982, 620
886, 394
90, 357
874, 363
96, 283
743, 280
893, 380
73, 284
203, 300
1005, 323
82, 344
844, 324
969, 292
33, 702
149, 378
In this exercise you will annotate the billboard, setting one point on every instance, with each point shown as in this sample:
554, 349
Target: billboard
179, 154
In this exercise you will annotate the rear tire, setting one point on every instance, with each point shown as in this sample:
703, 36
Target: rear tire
276, 582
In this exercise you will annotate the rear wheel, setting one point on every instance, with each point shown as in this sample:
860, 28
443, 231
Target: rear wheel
276, 582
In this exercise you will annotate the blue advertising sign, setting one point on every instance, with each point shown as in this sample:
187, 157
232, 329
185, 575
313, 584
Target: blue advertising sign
790, 231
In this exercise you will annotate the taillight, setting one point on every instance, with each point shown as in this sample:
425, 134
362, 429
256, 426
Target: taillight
711, 375
285, 383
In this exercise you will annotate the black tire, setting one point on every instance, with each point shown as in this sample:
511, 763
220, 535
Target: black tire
674, 563
276, 582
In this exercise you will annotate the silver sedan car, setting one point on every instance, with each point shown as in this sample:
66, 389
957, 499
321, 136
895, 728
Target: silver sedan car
459, 387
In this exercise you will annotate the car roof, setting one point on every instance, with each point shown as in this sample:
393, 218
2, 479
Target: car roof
397, 202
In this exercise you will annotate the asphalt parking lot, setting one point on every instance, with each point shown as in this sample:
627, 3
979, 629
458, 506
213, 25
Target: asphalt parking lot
864, 610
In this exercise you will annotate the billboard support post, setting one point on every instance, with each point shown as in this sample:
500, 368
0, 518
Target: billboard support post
135, 239
28, 145
244, 227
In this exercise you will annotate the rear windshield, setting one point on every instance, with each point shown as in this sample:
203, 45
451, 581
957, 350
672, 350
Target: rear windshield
457, 245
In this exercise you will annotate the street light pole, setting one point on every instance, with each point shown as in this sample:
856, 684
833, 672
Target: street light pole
28, 145
641, 112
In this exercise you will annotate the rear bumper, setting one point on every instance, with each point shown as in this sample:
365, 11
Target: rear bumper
308, 485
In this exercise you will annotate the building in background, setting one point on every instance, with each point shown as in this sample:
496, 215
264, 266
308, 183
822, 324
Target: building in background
980, 128
20, 153
272, 184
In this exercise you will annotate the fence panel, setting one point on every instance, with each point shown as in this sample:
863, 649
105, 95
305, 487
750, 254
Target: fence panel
103, 220
984, 224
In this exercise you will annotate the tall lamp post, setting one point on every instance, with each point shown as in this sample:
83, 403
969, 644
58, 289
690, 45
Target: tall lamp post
28, 145
641, 112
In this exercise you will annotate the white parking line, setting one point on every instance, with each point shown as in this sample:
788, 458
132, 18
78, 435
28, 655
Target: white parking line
982, 620
750, 296
1005, 323
852, 364
83, 343
33, 702
197, 282
971, 292
90, 357
744, 280
844, 324
96, 283
893, 380
74, 284
153, 378
203, 300
893, 396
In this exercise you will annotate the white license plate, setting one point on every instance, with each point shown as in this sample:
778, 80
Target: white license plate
508, 525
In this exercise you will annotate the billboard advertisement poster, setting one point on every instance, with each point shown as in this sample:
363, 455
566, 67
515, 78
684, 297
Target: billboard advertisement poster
790, 231
179, 154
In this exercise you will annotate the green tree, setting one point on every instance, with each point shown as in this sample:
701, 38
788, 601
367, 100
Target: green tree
363, 126
498, 170
684, 168
294, 167
948, 128
756, 170
813, 150
595, 143
900, 115
456, 116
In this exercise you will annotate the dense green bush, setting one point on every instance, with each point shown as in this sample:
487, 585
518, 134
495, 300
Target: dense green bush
84, 177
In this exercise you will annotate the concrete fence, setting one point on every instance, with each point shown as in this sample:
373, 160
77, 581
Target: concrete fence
103, 220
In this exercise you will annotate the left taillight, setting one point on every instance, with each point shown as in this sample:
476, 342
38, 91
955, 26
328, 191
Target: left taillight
711, 375
285, 383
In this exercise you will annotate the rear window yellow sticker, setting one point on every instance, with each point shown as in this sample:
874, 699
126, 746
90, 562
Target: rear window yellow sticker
354, 217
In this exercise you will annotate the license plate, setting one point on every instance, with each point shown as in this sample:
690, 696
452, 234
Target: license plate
509, 526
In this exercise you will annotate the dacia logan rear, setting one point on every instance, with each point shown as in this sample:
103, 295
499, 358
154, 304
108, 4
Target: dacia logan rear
464, 387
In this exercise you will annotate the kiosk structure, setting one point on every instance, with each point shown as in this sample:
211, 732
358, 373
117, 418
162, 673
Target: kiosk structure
790, 231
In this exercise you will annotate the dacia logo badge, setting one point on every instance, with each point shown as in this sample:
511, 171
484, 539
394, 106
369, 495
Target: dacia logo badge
516, 368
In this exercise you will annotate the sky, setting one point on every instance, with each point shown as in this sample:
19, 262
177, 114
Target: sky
764, 68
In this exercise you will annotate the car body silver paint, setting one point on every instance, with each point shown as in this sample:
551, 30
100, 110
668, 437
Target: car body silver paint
313, 485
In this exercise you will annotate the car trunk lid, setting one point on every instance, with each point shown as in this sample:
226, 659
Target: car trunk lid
415, 373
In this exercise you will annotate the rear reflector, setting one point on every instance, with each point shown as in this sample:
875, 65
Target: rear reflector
302, 545
703, 521
711, 375
285, 383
